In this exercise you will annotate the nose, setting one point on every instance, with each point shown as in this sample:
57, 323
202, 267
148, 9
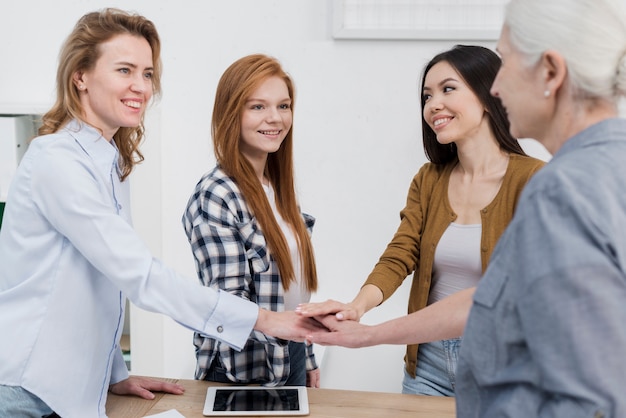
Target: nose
434, 104
141, 84
494, 86
493, 91
272, 115
137, 86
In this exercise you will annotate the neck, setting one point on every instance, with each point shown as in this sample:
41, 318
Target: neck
482, 158
258, 165
573, 117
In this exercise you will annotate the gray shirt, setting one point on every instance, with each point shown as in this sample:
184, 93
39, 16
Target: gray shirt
546, 336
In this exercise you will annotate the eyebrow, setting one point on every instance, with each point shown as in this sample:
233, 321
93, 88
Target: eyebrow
442, 82
130, 64
255, 99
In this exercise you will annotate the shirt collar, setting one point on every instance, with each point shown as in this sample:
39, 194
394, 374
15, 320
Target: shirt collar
612, 129
102, 152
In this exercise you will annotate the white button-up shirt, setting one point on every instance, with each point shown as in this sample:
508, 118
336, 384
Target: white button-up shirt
68, 259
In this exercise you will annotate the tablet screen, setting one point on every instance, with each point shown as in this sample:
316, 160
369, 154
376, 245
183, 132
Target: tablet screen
254, 400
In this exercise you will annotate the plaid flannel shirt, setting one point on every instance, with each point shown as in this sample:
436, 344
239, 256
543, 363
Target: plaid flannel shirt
231, 254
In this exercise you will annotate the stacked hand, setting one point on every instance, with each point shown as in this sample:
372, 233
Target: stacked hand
340, 321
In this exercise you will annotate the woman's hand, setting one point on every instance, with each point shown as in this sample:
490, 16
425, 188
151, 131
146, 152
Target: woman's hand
342, 311
287, 325
143, 387
368, 297
313, 378
349, 334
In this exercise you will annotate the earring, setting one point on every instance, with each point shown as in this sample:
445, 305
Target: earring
546, 93
81, 87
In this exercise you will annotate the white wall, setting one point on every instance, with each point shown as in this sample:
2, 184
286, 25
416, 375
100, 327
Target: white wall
356, 130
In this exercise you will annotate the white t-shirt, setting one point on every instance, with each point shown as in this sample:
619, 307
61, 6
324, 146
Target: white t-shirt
457, 263
297, 292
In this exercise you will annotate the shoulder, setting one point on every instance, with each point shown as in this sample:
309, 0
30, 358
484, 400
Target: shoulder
216, 196
522, 168
57, 155
525, 163
431, 173
430, 176
218, 184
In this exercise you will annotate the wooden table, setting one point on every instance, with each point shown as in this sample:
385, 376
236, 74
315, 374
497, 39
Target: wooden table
325, 403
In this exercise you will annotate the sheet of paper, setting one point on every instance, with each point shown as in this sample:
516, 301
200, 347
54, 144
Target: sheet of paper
172, 413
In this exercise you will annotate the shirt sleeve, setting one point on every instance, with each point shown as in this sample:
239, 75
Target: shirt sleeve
226, 245
400, 257
76, 200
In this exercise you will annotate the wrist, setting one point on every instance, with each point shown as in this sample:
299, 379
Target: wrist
261, 320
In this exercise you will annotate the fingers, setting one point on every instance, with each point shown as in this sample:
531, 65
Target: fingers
142, 393
313, 378
323, 308
167, 387
143, 387
329, 322
348, 314
323, 338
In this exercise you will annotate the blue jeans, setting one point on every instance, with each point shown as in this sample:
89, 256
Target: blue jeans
297, 366
435, 374
16, 402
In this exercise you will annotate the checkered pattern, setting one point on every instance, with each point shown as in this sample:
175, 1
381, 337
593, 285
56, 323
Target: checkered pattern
231, 254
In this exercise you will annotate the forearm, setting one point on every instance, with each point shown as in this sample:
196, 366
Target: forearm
442, 320
368, 297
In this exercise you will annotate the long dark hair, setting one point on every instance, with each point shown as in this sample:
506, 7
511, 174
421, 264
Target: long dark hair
478, 66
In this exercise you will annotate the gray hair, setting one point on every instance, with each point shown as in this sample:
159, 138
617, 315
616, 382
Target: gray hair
590, 34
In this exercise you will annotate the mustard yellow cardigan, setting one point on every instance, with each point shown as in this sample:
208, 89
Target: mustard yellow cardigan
425, 218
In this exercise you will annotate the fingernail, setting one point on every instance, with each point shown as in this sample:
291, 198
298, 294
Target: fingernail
339, 316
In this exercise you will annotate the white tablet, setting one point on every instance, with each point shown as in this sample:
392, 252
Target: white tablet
256, 400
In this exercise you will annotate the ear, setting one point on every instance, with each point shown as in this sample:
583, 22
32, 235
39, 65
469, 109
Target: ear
78, 81
554, 70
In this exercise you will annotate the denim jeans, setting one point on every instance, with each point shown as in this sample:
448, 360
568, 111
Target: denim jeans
16, 402
297, 366
436, 369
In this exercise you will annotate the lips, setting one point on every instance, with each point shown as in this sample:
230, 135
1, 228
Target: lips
132, 103
441, 121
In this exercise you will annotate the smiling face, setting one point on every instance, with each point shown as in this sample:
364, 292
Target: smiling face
115, 92
451, 108
265, 121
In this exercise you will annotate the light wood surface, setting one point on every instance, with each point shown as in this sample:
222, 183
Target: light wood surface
324, 403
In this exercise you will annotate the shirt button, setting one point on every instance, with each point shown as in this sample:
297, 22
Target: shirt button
220, 329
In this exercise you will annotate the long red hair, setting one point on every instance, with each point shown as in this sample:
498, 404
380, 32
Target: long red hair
236, 85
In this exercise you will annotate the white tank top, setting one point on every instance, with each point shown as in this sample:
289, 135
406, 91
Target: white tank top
297, 292
457, 263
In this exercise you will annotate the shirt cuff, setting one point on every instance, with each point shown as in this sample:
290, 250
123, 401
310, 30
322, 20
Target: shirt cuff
233, 320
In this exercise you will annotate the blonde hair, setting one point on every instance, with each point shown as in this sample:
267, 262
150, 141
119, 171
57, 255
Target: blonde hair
236, 85
80, 53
